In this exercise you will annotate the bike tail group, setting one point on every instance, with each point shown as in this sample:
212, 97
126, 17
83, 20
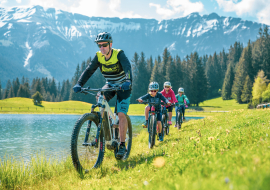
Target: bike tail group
157, 118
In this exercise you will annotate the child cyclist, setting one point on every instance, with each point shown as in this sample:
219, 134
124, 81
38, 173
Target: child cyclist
181, 98
155, 97
168, 93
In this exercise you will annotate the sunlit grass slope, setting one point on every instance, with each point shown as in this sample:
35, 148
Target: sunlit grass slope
227, 151
26, 105
217, 104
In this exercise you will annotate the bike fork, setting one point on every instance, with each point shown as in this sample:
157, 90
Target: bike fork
87, 132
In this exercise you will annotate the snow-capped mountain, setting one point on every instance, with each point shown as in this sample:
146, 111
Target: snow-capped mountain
48, 42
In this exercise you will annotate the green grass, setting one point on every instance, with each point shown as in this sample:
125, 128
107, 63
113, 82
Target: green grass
228, 151
217, 104
25, 105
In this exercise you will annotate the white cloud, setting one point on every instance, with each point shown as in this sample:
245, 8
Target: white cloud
18, 1
257, 8
3, 2
177, 8
98, 8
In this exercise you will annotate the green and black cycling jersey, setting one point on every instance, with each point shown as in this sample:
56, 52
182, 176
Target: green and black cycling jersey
116, 69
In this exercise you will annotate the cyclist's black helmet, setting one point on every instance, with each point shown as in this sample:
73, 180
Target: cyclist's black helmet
104, 37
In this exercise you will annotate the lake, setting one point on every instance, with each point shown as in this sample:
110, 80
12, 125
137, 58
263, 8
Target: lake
22, 135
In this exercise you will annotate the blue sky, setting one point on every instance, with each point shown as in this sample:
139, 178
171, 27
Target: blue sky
253, 10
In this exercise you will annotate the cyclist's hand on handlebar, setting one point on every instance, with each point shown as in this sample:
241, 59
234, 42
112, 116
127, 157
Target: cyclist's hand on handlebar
77, 88
169, 103
140, 100
126, 85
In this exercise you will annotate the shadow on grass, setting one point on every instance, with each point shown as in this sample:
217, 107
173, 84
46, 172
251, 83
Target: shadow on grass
139, 159
40, 106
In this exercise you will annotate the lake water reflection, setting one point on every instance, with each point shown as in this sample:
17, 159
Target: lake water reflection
24, 134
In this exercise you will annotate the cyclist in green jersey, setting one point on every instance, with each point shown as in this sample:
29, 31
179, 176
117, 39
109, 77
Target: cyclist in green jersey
181, 98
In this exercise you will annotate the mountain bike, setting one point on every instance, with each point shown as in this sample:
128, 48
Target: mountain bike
93, 131
164, 119
179, 117
152, 122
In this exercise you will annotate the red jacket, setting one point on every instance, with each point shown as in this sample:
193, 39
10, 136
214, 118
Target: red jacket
170, 96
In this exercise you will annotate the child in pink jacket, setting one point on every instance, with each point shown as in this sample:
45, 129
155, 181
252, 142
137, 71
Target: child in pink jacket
168, 93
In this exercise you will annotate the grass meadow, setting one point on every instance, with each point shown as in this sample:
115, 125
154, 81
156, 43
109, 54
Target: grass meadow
26, 106
224, 151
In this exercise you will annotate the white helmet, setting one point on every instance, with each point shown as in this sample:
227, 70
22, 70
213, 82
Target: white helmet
167, 84
181, 89
153, 86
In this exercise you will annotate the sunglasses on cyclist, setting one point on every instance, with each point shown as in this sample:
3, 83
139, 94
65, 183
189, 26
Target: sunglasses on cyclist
167, 86
153, 90
103, 45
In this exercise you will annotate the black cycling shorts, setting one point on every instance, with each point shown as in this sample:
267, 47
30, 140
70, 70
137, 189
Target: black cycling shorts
170, 108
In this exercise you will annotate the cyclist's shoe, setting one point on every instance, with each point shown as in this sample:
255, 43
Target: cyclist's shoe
160, 137
170, 122
184, 118
121, 152
145, 124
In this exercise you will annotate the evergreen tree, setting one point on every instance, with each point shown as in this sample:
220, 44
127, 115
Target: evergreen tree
266, 52
38, 87
227, 83
11, 93
16, 85
247, 90
52, 87
223, 64
163, 67
248, 60
150, 66
240, 75
24, 91
171, 71
140, 76
198, 79
6, 92
155, 72
177, 81
73, 95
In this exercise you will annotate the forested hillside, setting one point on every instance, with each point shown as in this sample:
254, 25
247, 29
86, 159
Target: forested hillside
241, 73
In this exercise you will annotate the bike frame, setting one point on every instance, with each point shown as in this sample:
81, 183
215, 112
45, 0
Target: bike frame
179, 110
152, 112
165, 112
103, 107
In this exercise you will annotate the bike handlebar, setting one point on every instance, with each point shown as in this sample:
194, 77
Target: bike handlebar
152, 103
112, 88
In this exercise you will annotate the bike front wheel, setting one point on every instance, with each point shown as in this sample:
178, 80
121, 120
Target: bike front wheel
152, 131
86, 153
165, 123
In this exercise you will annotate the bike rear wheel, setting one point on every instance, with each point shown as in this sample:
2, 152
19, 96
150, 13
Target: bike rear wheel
87, 156
128, 140
178, 124
163, 122
152, 131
